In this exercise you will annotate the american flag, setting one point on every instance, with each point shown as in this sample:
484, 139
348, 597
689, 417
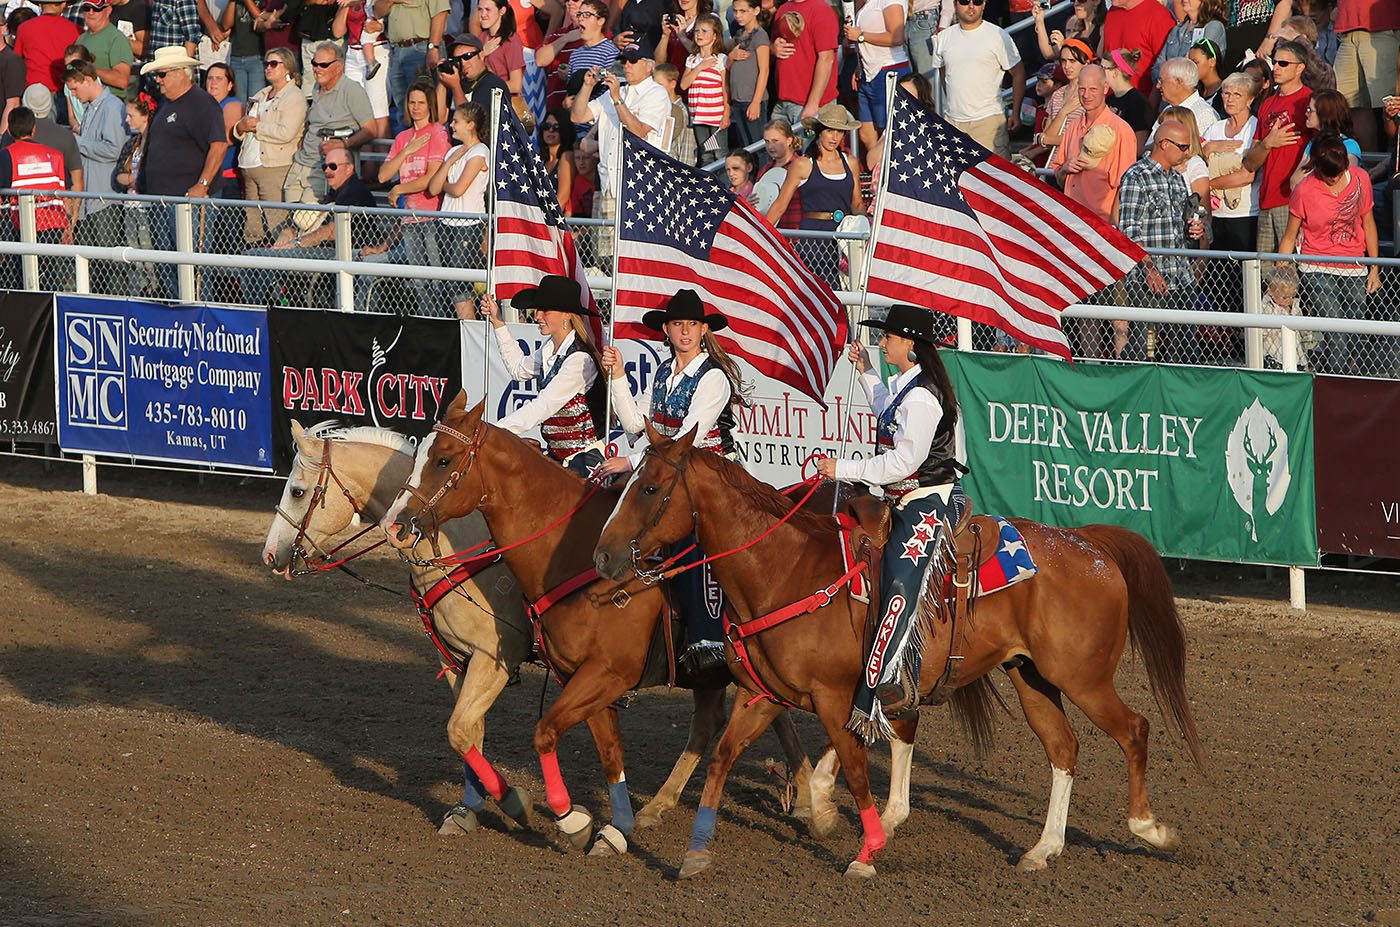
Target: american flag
531, 238
681, 227
960, 230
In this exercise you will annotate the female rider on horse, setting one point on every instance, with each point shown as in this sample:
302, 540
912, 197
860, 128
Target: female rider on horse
697, 388
569, 407
914, 461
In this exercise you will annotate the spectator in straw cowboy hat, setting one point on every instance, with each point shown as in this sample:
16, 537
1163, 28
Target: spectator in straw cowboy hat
827, 179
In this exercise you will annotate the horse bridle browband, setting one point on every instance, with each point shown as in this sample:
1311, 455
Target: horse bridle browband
324, 475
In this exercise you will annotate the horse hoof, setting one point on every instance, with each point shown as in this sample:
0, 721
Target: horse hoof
515, 804
610, 842
648, 818
696, 862
577, 826
860, 870
458, 820
824, 823
1155, 834
1029, 863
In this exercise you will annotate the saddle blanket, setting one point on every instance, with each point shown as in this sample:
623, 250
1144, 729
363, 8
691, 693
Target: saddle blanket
1010, 564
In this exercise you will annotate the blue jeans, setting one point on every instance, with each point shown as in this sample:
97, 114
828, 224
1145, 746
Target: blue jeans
256, 284
248, 75
1336, 297
163, 238
918, 37
871, 97
404, 68
743, 132
791, 113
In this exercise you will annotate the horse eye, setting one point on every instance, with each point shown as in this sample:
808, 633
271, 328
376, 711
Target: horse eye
650, 490
298, 493
444, 462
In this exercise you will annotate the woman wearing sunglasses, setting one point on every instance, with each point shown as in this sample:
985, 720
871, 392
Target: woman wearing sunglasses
271, 133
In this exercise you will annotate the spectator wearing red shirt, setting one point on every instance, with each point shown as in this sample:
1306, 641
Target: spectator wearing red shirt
1140, 24
806, 62
41, 43
1280, 139
1367, 52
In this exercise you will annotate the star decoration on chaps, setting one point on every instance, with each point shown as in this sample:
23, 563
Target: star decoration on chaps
914, 551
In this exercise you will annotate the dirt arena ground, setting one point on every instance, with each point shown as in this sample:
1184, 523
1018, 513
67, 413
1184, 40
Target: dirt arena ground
187, 740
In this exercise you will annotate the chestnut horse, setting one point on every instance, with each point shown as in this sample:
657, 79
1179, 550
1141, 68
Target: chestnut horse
546, 521
1059, 633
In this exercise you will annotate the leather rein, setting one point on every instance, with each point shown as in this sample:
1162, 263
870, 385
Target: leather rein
322, 562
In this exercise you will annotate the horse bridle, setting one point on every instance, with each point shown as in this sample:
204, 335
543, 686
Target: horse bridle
653, 576
325, 474
473, 445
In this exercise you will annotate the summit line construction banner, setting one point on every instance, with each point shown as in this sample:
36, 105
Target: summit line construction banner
1206, 463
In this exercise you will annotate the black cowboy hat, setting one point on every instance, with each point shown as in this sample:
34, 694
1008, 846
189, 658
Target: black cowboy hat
684, 306
913, 323
555, 293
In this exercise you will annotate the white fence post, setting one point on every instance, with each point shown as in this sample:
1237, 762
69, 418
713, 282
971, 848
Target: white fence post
344, 251
82, 284
964, 334
1253, 302
1297, 583
184, 243
29, 234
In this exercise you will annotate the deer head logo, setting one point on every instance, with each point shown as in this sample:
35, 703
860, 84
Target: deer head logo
1256, 462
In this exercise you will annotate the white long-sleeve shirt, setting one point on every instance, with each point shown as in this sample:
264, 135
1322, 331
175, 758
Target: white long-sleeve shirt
712, 394
916, 422
576, 376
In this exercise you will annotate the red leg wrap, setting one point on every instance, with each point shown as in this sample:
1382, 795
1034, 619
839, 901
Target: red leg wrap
555, 792
874, 834
490, 779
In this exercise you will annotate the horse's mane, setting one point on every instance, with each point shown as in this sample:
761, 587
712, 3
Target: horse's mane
764, 497
333, 430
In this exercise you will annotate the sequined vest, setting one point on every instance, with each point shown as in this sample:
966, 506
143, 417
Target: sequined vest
574, 426
939, 467
669, 409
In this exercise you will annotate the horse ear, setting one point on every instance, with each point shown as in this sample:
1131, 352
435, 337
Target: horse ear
306, 445
457, 406
478, 411
687, 440
654, 437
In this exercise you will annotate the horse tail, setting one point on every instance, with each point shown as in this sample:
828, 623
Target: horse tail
973, 706
1154, 625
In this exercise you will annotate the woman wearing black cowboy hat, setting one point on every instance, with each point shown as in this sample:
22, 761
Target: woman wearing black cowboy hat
914, 461
697, 388
569, 407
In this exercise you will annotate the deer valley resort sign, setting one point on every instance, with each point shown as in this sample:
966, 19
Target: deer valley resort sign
1212, 463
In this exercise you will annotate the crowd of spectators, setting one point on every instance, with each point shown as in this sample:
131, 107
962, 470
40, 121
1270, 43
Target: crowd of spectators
269, 100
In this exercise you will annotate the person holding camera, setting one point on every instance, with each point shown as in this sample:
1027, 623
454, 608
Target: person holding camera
463, 76
339, 112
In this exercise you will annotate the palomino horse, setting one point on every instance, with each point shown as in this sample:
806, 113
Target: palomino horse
339, 472
1061, 632
597, 637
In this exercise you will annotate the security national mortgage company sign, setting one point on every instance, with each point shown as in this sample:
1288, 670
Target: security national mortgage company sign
186, 384
1207, 463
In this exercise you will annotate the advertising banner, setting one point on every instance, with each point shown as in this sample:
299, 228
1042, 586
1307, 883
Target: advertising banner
187, 384
387, 371
26, 368
1206, 463
774, 435
1358, 456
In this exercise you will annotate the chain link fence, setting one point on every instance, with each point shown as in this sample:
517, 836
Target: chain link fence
370, 237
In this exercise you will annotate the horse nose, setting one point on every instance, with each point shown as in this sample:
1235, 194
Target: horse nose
603, 561
394, 531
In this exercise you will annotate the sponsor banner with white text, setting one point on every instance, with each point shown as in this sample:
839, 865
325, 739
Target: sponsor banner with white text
186, 384
26, 368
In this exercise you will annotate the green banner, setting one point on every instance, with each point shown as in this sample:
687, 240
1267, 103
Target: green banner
1207, 463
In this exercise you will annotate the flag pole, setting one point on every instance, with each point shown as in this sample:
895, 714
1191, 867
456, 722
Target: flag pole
491, 226
615, 178
891, 88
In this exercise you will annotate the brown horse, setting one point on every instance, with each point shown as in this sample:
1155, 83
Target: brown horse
1060, 633
597, 638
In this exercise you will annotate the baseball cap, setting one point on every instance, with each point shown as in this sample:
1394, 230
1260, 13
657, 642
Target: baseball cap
633, 53
95, 6
469, 40
38, 99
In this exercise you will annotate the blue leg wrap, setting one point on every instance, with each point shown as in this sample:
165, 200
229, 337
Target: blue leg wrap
704, 829
622, 817
472, 790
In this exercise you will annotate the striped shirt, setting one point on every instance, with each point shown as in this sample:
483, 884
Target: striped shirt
706, 93
584, 57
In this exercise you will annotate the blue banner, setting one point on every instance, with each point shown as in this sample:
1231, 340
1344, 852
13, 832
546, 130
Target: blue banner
177, 383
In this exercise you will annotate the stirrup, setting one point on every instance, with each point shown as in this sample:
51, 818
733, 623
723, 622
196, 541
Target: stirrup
702, 657
899, 697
